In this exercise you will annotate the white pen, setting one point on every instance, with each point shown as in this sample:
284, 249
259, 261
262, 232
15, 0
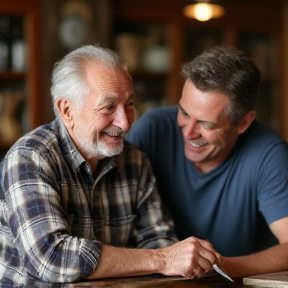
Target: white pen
221, 272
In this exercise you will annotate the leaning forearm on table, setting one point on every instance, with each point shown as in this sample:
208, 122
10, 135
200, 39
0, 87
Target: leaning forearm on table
189, 257
121, 262
274, 259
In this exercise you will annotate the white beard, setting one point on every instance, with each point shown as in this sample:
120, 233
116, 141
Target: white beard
100, 148
103, 149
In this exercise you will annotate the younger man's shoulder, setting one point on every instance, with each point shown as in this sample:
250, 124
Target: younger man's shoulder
156, 117
161, 112
261, 131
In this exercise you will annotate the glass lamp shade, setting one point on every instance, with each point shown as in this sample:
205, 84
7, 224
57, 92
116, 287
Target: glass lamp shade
203, 11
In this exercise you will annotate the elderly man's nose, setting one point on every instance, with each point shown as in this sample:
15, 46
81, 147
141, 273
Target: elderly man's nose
121, 119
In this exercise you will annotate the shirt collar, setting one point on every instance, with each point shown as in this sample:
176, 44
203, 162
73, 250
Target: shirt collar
72, 155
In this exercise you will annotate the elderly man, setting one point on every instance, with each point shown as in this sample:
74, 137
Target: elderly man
79, 202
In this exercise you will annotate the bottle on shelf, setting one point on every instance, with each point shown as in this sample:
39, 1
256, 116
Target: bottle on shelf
4, 42
18, 47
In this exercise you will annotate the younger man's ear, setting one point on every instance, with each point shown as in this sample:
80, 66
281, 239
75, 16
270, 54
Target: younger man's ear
246, 121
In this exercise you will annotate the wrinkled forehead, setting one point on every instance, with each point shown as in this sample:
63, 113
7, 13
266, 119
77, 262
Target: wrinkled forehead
108, 85
98, 72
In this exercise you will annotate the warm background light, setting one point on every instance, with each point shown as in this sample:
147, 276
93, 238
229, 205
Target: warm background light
203, 11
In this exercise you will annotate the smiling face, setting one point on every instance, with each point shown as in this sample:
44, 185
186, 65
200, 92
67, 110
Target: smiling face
208, 135
98, 125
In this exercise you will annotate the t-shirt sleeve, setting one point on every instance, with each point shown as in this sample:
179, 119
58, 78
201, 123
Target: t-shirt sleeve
272, 182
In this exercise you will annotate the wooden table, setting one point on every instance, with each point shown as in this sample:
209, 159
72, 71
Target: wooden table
159, 281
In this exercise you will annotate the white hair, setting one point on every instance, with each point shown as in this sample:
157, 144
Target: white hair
68, 74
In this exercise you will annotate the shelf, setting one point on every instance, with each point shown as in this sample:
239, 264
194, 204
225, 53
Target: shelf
12, 75
20, 97
145, 48
186, 38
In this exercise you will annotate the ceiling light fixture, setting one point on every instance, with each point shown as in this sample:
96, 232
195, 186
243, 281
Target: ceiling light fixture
203, 10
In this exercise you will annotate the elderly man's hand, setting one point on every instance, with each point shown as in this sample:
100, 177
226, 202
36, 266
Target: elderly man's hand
190, 258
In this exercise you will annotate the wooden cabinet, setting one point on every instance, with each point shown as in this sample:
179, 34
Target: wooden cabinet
155, 63
20, 77
253, 25
146, 50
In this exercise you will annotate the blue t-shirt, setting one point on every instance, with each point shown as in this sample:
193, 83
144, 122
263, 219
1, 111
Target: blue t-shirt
232, 205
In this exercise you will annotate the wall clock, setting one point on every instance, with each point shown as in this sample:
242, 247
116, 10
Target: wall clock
74, 26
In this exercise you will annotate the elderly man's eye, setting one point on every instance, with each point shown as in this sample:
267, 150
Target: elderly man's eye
130, 104
110, 107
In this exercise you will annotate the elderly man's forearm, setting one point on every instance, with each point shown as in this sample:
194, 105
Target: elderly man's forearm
130, 262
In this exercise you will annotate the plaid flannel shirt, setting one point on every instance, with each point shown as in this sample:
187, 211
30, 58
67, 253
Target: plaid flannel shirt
54, 216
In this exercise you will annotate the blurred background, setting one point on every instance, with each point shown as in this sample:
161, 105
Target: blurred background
154, 37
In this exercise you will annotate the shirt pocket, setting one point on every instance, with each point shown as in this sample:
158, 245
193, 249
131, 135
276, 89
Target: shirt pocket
117, 231
81, 227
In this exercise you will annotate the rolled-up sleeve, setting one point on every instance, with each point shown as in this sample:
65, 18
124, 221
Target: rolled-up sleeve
39, 224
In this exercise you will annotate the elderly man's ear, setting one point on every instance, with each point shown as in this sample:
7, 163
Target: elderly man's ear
65, 109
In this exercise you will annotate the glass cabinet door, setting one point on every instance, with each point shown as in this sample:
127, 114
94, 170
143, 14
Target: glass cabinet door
20, 74
13, 86
199, 39
262, 48
144, 48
